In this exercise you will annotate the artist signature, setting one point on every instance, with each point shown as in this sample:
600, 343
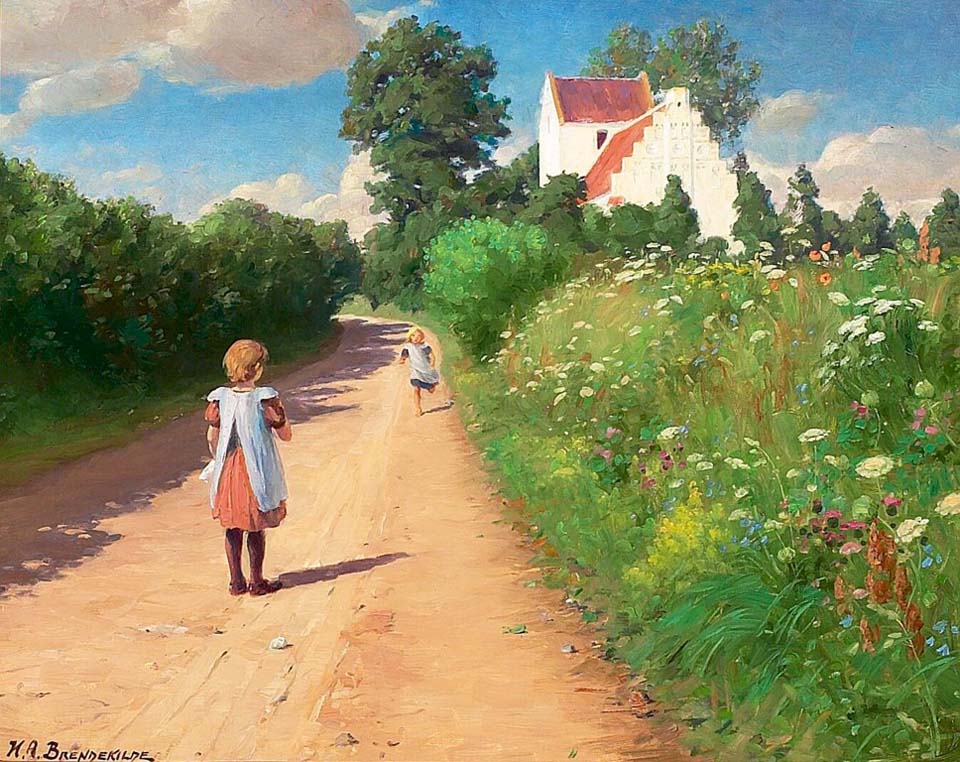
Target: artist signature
24, 748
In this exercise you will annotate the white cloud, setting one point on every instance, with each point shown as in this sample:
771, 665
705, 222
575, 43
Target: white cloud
292, 193
83, 89
222, 44
788, 113
375, 23
509, 149
351, 202
139, 175
908, 166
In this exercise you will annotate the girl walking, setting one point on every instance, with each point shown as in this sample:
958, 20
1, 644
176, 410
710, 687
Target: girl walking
423, 374
248, 492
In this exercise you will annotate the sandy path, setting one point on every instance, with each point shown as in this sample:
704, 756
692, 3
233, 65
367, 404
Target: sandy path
399, 580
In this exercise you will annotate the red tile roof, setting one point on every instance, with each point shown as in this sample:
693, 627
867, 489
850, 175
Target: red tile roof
588, 99
611, 160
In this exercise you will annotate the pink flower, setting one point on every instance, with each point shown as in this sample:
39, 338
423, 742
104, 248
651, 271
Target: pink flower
892, 500
833, 514
860, 593
916, 424
648, 483
605, 454
612, 432
849, 548
861, 410
853, 525
931, 430
920, 412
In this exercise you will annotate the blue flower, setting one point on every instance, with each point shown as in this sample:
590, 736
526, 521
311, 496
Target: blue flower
939, 627
928, 548
955, 630
801, 388
723, 548
939, 559
944, 650
734, 319
846, 621
745, 522
745, 541
764, 540
927, 562
795, 343
930, 641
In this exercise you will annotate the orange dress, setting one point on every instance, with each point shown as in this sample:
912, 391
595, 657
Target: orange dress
235, 504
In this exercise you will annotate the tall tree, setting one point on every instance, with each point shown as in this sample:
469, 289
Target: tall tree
944, 222
869, 229
757, 219
700, 57
905, 235
802, 216
675, 221
420, 101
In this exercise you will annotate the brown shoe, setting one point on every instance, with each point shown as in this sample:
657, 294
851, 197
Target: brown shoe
265, 587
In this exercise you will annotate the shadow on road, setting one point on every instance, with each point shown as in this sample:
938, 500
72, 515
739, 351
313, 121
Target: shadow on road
327, 573
50, 523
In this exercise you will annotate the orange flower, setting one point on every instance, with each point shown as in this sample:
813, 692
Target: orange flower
869, 636
815, 255
824, 279
774, 285
826, 246
724, 295
902, 587
856, 253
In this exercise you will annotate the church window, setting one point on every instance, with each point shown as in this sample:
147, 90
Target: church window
601, 138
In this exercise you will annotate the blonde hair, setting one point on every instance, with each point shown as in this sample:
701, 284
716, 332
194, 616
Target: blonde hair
244, 360
414, 331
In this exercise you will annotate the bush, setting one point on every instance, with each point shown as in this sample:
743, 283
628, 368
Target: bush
483, 274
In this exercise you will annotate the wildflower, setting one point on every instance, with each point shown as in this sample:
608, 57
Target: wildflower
901, 586
878, 589
875, 338
757, 336
597, 367
911, 529
624, 380
865, 301
612, 431
505, 334
829, 348
924, 389
560, 397
928, 325
869, 636
671, 432
931, 430
940, 627
587, 391
859, 594
944, 650
813, 435
774, 285
883, 306
849, 548
854, 328
775, 274
737, 464
838, 298
786, 554
949, 505
875, 467
862, 410
704, 465
846, 621
824, 279
741, 493
881, 551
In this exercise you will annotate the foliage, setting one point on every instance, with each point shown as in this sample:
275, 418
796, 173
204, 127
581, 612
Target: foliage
869, 230
757, 219
904, 233
675, 222
944, 223
751, 471
802, 216
111, 289
482, 274
420, 102
700, 57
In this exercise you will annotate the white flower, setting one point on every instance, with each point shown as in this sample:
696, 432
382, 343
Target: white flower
772, 524
928, 325
875, 338
739, 515
917, 302
865, 301
635, 330
597, 367
838, 298
506, 335
751, 442
878, 289
736, 464
532, 384
624, 380
786, 554
704, 465
949, 505
579, 324
854, 328
661, 303
793, 473
694, 457
883, 306
741, 492
671, 432
747, 304
776, 273
757, 336
911, 529
814, 435
829, 348
793, 282
587, 391
676, 299
875, 467
559, 398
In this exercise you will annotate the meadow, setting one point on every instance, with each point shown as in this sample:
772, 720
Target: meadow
746, 471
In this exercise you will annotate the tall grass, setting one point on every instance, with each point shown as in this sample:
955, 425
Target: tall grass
750, 472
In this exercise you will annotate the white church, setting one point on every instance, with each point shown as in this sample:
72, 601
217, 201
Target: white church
625, 143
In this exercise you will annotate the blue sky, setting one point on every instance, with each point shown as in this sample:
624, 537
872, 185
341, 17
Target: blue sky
859, 65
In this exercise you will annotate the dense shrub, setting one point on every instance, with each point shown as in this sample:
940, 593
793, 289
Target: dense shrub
113, 289
483, 274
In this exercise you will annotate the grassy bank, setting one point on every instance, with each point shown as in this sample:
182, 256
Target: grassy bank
748, 473
75, 416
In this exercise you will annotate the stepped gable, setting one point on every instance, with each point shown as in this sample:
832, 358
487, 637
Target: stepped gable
611, 159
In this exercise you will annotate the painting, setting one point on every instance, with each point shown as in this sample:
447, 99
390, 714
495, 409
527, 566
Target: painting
475, 380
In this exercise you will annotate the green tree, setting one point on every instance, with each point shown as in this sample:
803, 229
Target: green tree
483, 275
675, 221
834, 227
802, 216
757, 219
904, 232
869, 228
700, 57
944, 223
419, 100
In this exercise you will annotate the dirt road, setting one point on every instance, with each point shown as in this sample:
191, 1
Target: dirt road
117, 632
